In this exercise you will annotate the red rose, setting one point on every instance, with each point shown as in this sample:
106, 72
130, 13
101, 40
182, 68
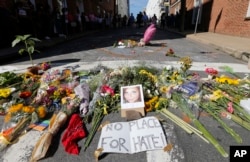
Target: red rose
211, 71
107, 89
25, 94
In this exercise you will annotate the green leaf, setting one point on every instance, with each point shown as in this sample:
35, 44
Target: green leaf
31, 49
35, 39
30, 42
25, 36
16, 41
21, 51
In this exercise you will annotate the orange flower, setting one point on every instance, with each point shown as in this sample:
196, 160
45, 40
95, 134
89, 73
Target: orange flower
7, 117
41, 112
15, 108
28, 109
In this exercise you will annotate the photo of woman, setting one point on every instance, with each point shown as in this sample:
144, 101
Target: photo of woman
131, 94
132, 99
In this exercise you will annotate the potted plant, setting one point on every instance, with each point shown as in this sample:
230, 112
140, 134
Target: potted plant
29, 47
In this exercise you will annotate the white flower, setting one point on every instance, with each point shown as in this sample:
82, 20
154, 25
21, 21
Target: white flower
120, 43
148, 91
169, 67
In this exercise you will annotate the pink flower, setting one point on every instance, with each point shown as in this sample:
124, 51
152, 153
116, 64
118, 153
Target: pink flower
45, 66
107, 89
230, 107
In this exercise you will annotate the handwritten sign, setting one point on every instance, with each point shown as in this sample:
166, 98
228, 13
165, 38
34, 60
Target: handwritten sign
132, 137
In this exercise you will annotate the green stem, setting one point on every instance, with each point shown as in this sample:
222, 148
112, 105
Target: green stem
208, 109
182, 104
97, 121
187, 127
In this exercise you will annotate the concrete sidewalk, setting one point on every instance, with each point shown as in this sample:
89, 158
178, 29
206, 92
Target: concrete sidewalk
238, 47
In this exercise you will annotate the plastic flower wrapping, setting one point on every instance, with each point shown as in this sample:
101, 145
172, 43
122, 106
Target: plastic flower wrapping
86, 96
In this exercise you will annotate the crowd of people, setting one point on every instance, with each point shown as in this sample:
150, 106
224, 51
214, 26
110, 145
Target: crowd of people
43, 22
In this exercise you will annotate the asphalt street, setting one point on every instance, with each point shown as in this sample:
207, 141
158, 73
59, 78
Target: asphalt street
88, 51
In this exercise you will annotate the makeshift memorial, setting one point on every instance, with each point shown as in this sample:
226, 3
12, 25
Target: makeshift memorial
26, 98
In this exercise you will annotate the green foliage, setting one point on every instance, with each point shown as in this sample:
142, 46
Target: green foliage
8, 78
29, 45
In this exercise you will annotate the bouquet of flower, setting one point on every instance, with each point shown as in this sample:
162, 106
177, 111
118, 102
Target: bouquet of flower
125, 43
69, 105
107, 102
8, 135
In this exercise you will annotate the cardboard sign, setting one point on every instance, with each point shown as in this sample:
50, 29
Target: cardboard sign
132, 99
131, 137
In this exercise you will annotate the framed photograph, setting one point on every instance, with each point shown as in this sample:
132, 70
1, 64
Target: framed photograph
132, 98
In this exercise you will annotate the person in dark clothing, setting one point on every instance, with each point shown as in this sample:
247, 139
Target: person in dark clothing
131, 20
44, 21
139, 20
163, 21
8, 26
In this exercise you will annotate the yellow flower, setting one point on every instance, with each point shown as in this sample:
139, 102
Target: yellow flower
15, 108
162, 103
227, 80
150, 105
157, 105
7, 117
105, 112
194, 97
5, 92
64, 99
28, 109
56, 94
41, 112
149, 75
164, 89
216, 95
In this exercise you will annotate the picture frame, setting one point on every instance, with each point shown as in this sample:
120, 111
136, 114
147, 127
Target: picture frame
132, 99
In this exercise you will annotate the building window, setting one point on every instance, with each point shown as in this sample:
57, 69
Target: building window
248, 11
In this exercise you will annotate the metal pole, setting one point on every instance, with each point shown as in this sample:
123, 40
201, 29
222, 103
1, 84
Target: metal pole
197, 19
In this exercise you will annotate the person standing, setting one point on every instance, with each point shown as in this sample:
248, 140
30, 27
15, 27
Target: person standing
145, 19
154, 19
131, 20
139, 19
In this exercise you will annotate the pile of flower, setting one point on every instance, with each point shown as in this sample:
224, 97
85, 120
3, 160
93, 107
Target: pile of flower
129, 43
57, 94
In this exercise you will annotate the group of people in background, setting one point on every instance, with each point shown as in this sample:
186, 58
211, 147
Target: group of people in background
142, 19
44, 22
169, 21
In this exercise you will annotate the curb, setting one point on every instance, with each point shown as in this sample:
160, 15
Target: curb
242, 55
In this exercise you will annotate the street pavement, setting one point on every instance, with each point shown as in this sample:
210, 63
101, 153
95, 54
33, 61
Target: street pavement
187, 148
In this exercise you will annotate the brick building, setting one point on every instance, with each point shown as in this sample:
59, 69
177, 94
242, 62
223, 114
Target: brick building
231, 17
